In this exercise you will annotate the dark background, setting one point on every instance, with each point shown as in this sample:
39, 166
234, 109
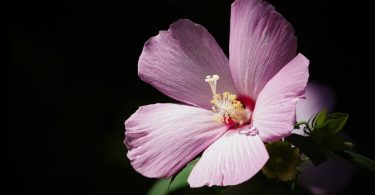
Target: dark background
74, 82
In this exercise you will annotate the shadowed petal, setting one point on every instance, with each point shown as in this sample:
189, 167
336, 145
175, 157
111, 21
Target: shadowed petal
328, 178
177, 61
261, 43
162, 138
317, 98
275, 110
232, 159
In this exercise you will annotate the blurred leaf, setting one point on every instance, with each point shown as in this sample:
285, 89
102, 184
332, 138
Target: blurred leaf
334, 142
308, 147
160, 187
327, 141
333, 123
165, 186
361, 161
349, 145
317, 136
180, 180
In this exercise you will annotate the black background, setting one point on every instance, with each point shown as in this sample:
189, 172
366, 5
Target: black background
74, 82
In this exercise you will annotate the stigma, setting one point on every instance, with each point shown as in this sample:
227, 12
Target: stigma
226, 107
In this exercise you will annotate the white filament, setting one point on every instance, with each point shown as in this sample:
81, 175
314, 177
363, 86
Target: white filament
212, 81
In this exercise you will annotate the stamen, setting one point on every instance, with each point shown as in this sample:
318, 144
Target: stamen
226, 107
212, 81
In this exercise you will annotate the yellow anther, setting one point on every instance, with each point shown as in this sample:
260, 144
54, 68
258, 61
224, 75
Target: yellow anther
227, 109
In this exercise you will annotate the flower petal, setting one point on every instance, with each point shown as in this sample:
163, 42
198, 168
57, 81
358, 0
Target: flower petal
232, 159
275, 109
177, 61
261, 43
162, 138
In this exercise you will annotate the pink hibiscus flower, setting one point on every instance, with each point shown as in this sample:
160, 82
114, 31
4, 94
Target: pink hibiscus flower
259, 86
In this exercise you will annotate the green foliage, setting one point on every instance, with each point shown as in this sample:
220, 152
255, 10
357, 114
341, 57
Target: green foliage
320, 118
160, 187
165, 186
324, 141
180, 180
308, 147
330, 123
357, 159
328, 141
324, 129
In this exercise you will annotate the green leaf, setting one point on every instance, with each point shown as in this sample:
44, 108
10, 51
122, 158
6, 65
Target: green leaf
160, 187
320, 118
359, 160
333, 123
335, 142
165, 186
327, 141
180, 180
